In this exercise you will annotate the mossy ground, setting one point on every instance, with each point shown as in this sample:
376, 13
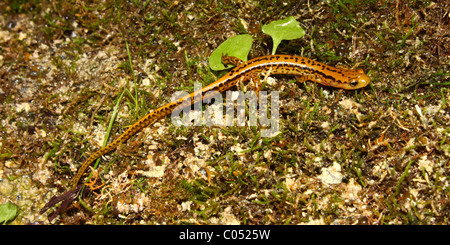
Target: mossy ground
63, 65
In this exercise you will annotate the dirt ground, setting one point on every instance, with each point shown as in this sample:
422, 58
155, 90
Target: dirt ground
378, 155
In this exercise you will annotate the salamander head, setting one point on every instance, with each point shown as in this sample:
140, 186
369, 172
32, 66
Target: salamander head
357, 80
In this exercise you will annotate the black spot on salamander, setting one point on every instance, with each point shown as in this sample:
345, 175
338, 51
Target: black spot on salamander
326, 76
331, 69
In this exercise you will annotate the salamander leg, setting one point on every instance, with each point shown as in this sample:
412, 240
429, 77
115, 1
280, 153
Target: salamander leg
340, 66
254, 77
226, 60
257, 83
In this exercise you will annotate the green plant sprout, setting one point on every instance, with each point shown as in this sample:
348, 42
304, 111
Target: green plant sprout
236, 46
285, 29
239, 46
8, 212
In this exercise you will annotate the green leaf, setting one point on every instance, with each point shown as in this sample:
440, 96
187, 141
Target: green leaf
8, 212
236, 46
286, 29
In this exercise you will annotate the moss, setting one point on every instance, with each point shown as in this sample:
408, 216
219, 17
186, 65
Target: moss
390, 139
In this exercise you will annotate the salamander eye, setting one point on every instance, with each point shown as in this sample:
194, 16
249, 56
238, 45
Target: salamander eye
353, 83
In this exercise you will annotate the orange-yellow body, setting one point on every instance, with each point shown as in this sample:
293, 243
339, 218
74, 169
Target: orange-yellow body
303, 68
